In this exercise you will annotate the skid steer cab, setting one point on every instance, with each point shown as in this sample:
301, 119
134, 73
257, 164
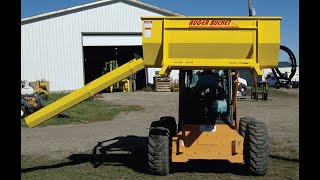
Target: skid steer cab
208, 52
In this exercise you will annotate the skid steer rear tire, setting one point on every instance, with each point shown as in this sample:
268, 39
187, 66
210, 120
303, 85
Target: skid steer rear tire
256, 148
158, 151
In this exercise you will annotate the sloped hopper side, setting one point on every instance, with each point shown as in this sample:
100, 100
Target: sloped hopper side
211, 45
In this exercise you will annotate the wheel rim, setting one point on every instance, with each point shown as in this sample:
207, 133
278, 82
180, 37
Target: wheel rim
22, 112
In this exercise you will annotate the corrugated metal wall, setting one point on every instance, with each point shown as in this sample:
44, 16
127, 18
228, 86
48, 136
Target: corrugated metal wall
52, 48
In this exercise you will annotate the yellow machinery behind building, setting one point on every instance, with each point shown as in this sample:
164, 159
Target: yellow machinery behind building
41, 88
208, 51
123, 85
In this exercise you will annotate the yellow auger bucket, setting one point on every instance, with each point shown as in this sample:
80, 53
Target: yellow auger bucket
211, 42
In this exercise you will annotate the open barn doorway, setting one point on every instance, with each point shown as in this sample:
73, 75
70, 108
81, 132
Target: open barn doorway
95, 58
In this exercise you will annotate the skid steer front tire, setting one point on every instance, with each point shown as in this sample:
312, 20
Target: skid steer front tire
256, 148
170, 123
243, 124
158, 151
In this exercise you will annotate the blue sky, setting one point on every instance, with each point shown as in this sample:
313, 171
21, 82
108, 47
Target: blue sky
287, 9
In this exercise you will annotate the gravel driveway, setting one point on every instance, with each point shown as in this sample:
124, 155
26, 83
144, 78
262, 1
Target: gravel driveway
281, 115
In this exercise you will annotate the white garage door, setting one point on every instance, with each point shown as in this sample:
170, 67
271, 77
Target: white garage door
112, 40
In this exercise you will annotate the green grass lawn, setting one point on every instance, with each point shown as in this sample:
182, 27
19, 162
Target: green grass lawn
274, 91
86, 166
85, 112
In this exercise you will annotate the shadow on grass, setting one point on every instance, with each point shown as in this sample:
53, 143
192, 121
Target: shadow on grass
131, 152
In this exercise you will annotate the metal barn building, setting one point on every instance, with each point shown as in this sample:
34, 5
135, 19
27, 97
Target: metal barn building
69, 47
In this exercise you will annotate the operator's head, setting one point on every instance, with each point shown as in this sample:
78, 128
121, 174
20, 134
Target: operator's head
207, 72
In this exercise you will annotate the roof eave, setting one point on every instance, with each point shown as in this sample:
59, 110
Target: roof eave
97, 3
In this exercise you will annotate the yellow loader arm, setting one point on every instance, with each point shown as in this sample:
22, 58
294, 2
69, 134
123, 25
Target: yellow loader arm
84, 93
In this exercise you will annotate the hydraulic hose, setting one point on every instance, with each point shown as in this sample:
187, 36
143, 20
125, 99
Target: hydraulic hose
278, 75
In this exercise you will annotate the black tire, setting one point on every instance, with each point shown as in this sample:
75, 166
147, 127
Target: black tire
39, 101
277, 86
170, 123
243, 123
256, 148
23, 112
255, 95
295, 85
158, 151
265, 96
242, 89
29, 110
43, 95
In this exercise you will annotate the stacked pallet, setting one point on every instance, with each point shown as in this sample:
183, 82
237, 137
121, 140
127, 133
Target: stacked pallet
162, 84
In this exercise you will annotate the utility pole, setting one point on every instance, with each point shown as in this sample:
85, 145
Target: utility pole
252, 10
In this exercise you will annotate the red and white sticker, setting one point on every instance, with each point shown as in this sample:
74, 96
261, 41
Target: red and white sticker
147, 24
147, 28
212, 23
